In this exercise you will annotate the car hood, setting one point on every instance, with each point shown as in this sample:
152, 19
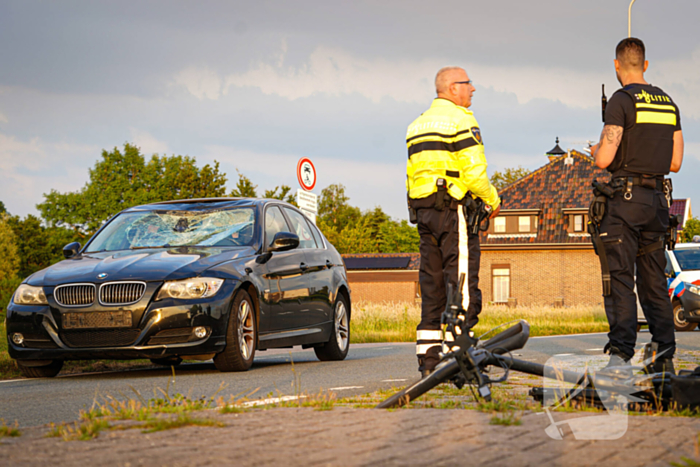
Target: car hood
143, 265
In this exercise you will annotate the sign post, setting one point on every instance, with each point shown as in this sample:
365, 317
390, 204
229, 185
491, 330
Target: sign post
306, 200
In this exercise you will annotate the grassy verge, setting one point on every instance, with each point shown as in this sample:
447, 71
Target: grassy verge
397, 322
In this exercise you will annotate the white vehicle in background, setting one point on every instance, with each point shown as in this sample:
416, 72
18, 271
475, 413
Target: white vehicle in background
683, 280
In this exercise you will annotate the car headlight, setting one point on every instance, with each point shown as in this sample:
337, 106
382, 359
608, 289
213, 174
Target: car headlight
693, 289
29, 295
198, 287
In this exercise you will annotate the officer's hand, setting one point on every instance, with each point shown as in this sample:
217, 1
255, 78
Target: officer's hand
594, 148
495, 213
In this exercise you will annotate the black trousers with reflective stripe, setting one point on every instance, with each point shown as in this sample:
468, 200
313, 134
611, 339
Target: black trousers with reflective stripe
628, 226
446, 250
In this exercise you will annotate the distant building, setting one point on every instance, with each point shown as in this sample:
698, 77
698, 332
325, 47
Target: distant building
389, 277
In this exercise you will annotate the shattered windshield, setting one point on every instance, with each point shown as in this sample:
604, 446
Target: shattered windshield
154, 229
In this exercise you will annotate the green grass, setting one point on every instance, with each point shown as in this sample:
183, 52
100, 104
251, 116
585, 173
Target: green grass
397, 322
9, 430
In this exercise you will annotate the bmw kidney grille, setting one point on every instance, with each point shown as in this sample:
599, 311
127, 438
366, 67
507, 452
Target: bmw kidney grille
110, 293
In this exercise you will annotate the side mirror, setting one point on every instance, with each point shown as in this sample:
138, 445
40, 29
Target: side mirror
284, 241
71, 250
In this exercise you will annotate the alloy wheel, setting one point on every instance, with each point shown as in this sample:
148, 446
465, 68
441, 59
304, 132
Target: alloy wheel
341, 325
246, 329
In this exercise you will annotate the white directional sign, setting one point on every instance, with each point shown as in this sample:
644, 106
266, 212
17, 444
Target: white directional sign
308, 203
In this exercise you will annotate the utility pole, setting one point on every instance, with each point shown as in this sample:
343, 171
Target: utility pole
629, 19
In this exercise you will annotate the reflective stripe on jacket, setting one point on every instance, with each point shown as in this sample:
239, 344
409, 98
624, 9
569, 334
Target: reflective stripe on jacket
445, 142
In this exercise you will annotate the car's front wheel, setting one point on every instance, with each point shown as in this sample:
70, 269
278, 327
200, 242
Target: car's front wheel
48, 371
337, 347
241, 336
679, 320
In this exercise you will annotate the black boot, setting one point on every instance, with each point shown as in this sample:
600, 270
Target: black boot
619, 363
660, 365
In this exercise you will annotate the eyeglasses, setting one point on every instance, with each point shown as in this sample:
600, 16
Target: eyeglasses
464, 82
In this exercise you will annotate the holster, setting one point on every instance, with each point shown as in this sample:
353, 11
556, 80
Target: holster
412, 213
475, 212
596, 213
671, 232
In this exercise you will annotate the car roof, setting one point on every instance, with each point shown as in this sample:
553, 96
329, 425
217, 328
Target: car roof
203, 204
684, 246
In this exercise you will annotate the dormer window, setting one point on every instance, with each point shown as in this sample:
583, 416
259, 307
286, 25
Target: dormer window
524, 224
499, 225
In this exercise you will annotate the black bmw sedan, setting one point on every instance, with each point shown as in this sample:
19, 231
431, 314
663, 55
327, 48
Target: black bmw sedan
192, 279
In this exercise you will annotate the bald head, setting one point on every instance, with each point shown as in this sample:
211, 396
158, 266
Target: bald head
447, 76
453, 83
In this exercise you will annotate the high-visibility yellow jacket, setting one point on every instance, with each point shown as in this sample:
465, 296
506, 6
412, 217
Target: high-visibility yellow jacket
445, 142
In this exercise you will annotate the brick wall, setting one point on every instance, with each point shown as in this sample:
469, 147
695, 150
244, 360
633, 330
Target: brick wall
540, 277
383, 291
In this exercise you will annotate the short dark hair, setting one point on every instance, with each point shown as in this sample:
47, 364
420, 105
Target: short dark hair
630, 52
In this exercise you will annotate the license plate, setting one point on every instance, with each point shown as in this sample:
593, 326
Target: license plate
98, 319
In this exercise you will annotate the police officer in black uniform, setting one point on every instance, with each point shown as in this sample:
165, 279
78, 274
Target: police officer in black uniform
640, 143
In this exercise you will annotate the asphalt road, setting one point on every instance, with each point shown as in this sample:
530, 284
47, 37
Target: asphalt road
367, 368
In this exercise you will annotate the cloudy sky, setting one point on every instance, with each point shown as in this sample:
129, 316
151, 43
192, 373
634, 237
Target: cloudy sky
257, 85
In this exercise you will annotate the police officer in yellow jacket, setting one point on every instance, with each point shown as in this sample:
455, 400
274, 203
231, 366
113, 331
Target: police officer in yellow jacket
446, 164
641, 142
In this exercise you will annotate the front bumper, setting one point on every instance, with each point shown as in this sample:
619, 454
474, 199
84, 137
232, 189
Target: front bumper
48, 341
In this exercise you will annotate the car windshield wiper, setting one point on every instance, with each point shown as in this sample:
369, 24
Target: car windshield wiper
167, 245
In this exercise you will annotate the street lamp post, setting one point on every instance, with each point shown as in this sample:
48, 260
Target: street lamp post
629, 19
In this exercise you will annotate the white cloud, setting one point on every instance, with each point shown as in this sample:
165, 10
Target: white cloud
335, 72
692, 150
148, 143
32, 168
3, 118
679, 79
202, 83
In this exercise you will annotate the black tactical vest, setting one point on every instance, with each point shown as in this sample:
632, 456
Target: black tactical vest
647, 147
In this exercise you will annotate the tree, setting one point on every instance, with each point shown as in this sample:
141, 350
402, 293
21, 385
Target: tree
691, 228
397, 237
283, 195
334, 210
9, 258
2, 208
38, 246
502, 179
244, 188
123, 179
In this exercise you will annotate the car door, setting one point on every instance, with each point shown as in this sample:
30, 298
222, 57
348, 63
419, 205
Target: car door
319, 264
287, 292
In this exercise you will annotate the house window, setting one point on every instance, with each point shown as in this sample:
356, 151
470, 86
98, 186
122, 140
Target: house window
578, 223
501, 283
523, 223
499, 225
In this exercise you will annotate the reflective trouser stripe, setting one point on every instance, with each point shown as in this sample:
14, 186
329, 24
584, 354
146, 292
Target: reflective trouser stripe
422, 349
463, 264
428, 335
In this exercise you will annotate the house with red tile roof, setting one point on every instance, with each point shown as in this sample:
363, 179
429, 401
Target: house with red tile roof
538, 251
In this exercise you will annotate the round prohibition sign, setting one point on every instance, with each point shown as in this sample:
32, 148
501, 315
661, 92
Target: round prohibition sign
306, 174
